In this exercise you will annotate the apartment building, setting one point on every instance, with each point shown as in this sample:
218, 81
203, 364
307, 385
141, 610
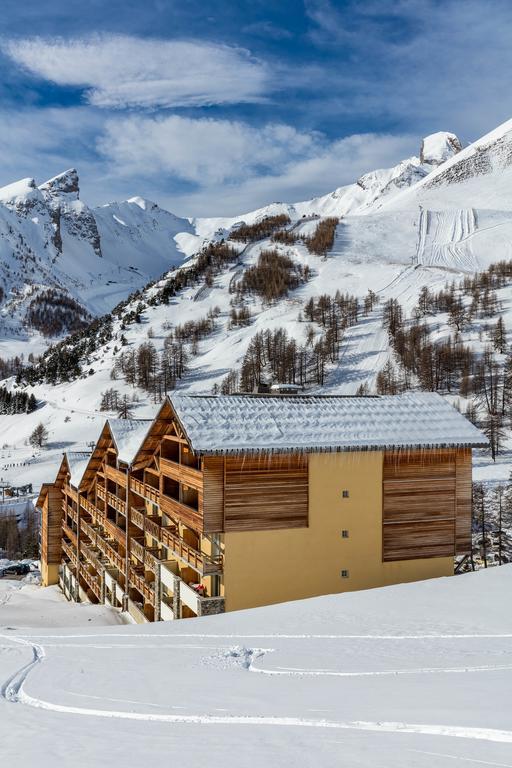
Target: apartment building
223, 503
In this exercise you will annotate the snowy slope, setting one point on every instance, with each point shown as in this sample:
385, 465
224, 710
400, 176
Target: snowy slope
410, 675
362, 197
50, 238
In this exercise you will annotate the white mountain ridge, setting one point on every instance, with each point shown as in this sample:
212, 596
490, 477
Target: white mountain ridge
392, 239
50, 238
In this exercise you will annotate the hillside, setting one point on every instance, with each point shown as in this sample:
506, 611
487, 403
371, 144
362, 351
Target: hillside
295, 293
54, 247
410, 675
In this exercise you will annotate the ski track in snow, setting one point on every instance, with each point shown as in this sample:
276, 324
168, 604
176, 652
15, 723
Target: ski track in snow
13, 690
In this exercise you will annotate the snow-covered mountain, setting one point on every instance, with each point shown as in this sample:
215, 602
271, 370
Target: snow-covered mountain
429, 220
49, 238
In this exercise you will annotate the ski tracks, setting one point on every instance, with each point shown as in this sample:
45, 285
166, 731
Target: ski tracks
13, 691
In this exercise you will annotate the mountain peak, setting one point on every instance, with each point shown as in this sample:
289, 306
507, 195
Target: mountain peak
439, 147
64, 183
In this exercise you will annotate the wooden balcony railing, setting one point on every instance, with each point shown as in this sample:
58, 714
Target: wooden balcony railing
116, 475
152, 559
114, 531
182, 473
101, 492
87, 505
174, 508
138, 549
137, 579
89, 531
111, 554
145, 490
197, 560
92, 556
137, 517
70, 552
71, 492
69, 533
92, 581
153, 528
117, 503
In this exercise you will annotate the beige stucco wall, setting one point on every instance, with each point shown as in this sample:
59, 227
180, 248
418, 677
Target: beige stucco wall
264, 567
49, 573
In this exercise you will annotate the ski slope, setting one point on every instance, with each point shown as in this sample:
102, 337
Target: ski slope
408, 675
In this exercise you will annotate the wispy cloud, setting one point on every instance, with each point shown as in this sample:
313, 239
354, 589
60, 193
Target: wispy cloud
124, 71
231, 165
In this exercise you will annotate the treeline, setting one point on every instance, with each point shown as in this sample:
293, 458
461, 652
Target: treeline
451, 366
157, 372
16, 402
274, 356
19, 540
53, 312
322, 240
66, 360
248, 233
272, 277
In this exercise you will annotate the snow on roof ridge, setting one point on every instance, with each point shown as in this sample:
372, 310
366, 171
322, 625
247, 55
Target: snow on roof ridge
321, 423
382, 425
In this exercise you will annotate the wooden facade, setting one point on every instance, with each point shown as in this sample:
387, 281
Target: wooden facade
149, 535
426, 504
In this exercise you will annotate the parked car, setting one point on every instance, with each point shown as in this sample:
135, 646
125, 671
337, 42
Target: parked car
15, 569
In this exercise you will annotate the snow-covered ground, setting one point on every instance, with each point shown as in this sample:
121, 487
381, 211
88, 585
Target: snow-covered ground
409, 676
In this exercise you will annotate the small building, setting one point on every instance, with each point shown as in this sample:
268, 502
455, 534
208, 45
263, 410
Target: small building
230, 502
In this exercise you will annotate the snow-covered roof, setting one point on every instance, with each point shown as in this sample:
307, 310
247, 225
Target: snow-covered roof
227, 424
77, 462
128, 436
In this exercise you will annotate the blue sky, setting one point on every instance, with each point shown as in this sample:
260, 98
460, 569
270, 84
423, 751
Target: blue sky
214, 108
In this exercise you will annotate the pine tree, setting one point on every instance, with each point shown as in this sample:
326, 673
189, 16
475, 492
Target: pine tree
39, 436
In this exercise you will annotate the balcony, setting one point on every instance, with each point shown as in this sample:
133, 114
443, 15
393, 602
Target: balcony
174, 508
87, 505
137, 517
118, 504
182, 473
89, 531
145, 490
92, 582
114, 531
116, 475
101, 492
145, 589
152, 559
70, 553
137, 548
197, 560
201, 606
69, 533
92, 556
72, 513
111, 554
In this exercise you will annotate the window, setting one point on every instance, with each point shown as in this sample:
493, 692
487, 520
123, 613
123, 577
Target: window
345, 494
344, 574
344, 534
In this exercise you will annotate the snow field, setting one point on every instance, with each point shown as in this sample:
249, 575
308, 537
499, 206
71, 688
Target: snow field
401, 676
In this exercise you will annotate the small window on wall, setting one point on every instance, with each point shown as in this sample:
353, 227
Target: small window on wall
345, 494
344, 534
344, 574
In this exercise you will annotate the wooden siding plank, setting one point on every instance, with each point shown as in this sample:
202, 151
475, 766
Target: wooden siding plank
266, 493
419, 504
464, 501
213, 494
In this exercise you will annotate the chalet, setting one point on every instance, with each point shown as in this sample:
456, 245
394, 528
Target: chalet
223, 503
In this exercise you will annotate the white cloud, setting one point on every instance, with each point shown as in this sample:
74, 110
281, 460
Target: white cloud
204, 151
233, 166
124, 71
